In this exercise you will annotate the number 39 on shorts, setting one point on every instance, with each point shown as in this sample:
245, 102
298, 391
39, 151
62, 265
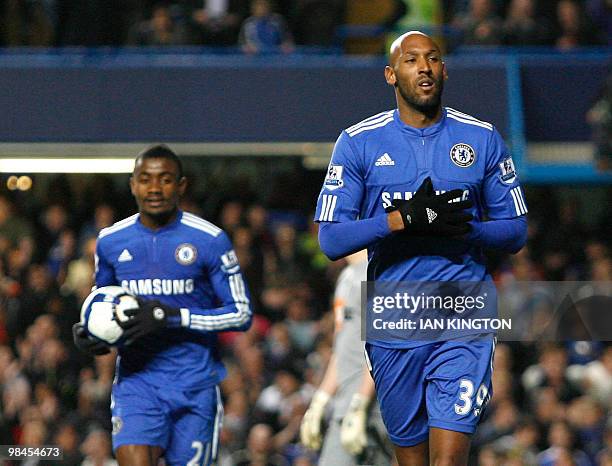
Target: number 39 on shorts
466, 391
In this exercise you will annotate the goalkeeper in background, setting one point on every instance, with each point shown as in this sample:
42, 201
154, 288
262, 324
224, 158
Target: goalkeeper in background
356, 424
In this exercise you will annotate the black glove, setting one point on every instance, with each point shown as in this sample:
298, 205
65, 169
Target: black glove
86, 343
430, 214
147, 318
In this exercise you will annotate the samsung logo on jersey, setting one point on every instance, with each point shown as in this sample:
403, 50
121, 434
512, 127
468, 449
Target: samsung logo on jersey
387, 197
158, 286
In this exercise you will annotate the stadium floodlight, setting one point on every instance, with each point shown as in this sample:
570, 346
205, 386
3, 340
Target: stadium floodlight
66, 165
51, 157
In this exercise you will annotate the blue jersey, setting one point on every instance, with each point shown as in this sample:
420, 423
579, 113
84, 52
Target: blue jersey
381, 159
189, 264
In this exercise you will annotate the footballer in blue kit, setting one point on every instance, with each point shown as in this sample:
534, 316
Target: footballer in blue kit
425, 188
165, 398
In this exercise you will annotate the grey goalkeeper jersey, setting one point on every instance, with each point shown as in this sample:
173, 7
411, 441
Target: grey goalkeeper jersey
348, 346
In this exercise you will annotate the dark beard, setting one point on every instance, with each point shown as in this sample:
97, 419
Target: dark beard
426, 106
161, 218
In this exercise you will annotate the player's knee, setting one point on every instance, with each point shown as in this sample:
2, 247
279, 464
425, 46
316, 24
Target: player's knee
138, 455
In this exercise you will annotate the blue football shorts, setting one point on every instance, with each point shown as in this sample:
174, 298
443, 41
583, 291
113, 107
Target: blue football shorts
184, 423
445, 385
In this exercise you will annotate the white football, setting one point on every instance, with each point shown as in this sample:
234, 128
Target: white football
103, 308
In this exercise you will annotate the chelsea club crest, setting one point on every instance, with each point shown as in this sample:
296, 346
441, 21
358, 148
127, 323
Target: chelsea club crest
186, 254
462, 155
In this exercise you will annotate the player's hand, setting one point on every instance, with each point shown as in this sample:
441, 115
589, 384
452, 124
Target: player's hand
430, 214
353, 430
310, 429
87, 343
149, 317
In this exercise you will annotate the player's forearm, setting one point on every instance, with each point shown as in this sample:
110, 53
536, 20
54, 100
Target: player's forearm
232, 317
329, 384
366, 388
339, 239
508, 235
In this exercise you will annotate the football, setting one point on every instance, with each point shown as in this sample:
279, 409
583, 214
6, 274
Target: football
103, 308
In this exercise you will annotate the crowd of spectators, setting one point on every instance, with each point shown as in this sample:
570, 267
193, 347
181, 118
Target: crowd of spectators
565, 24
551, 402
266, 25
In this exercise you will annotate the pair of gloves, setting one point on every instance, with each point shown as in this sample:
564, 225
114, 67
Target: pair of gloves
148, 317
352, 431
429, 214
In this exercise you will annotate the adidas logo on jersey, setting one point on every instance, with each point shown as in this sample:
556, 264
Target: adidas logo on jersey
431, 215
384, 159
125, 256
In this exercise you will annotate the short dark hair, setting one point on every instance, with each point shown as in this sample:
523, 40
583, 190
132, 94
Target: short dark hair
160, 151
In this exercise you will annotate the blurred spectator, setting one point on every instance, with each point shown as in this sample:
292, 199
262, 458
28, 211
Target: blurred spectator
521, 444
33, 434
67, 438
600, 119
277, 401
562, 450
54, 221
301, 328
47, 403
97, 449
60, 254
29, 23
161, 29
235, 420
587, 420
257, 219
259, 451
80, 272
550, 372
218, 22
265, 31
574, 29
104, 216
548, 408
595, 378
279, 347
287, 265
95, 386
50, 366
16, 392
501, 421
480, 25
488, 457
600, 12
39, 291
15, 232
230, 217
522, 27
